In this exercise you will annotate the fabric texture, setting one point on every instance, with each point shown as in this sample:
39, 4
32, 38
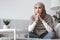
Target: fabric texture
39, 28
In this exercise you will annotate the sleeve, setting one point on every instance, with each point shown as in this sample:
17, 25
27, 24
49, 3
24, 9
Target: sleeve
32, 24
32, 19
48, 28
49, 24
31, 27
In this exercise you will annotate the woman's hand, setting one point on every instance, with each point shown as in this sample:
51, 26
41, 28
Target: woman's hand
37, 17
40, 18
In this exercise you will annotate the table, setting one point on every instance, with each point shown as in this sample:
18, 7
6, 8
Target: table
14, 31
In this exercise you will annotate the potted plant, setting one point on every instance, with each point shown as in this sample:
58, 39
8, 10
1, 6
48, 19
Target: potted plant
57, 19
6, 23
57, 27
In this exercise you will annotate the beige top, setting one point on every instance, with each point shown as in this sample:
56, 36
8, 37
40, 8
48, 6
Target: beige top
39, 28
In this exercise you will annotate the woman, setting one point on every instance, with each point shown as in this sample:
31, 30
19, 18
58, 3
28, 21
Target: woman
41, 24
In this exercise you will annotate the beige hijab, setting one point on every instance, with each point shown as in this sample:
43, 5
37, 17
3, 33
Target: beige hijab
43, 7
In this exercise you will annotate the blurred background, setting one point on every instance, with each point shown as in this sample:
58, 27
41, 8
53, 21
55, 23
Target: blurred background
20, 11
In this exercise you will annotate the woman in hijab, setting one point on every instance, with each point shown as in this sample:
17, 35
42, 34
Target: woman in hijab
41, 23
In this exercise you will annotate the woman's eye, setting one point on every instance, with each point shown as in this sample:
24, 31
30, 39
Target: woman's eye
38, 7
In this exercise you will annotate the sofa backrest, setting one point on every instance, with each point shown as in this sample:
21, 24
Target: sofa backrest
16, 23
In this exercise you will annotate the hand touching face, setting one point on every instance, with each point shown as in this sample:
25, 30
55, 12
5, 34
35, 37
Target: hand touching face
38, 9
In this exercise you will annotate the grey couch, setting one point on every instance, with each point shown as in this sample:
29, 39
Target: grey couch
23, 24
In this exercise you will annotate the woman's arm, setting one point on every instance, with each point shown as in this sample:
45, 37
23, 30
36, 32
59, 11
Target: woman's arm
32, 26
48, 28
33, 23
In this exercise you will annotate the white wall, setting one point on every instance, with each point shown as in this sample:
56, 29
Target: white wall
8, 8
20, 9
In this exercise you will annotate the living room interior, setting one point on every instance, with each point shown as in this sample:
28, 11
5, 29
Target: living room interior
15, 16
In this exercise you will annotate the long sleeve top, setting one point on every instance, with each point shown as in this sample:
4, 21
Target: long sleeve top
41, 27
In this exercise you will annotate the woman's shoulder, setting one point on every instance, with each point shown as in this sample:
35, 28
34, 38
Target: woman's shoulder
33, 16
48, 16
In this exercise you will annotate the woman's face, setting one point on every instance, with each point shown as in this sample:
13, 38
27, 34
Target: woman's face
38, 9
